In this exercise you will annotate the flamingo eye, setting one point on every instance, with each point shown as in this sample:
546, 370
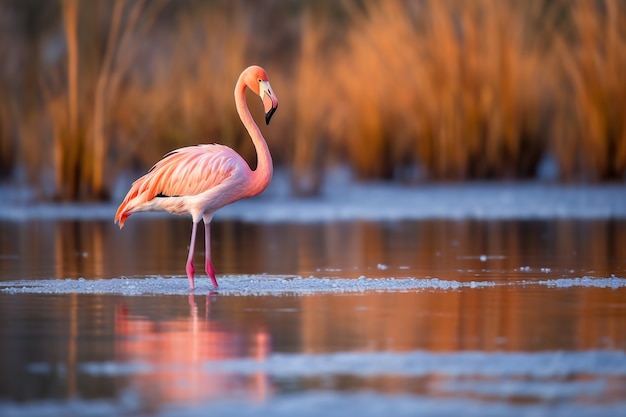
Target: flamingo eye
260, 80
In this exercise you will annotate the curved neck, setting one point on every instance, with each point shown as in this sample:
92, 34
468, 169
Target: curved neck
262, 175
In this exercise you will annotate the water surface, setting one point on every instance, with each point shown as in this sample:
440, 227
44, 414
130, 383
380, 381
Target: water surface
545, 334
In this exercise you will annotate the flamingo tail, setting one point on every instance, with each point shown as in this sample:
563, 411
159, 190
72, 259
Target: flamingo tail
121, 218
126, 208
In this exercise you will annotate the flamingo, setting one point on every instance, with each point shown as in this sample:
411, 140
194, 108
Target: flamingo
198, 180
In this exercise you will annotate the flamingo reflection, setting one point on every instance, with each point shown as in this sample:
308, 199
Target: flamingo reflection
175, 351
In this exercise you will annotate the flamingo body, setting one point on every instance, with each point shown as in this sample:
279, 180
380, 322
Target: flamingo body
198, 180
192, 180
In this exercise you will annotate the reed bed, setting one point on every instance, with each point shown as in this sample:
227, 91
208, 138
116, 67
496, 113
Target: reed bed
398, 89
590, 137
450, 91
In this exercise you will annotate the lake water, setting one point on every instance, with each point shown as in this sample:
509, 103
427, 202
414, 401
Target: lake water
471, 317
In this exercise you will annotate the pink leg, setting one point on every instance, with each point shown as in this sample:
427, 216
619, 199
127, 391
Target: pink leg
210, 270
189, 267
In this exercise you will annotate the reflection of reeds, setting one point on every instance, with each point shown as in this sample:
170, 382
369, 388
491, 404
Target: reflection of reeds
397, 89
431, 320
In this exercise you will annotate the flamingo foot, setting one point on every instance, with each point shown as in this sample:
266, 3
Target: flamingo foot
210, 271
190, 271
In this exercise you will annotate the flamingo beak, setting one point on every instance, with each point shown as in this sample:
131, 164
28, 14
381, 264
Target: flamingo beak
270, 101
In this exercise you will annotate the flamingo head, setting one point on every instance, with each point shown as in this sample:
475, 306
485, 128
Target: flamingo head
257, 81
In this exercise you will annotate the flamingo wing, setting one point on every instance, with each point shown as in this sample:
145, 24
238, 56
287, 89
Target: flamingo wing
186, 171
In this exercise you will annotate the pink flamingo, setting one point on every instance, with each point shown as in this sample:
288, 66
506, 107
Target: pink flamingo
199, 180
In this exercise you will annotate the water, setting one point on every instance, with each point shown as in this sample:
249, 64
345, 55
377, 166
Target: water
481, 317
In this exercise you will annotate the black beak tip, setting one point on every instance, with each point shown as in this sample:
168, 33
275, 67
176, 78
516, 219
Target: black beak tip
269, 114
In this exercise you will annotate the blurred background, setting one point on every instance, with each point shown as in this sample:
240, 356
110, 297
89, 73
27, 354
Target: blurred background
94, 92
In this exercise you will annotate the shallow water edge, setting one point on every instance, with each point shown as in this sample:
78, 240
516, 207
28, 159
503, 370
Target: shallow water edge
268, 285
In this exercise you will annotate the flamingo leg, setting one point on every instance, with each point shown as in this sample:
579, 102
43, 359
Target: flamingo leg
189, 267
210, 270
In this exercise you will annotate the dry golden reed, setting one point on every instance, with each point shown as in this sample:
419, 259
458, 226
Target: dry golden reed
449, 86
591, 124
395, 89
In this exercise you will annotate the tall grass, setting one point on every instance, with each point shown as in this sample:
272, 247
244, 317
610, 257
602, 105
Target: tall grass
397, 89
452, 86
591, 125
78, 93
